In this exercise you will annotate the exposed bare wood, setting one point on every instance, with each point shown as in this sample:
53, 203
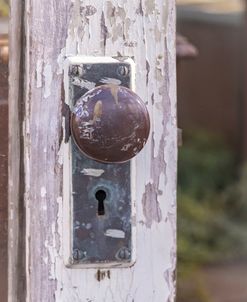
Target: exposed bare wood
144, 30
16, 246
3, 182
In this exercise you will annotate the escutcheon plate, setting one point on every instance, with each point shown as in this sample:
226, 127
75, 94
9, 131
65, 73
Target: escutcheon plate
101, 229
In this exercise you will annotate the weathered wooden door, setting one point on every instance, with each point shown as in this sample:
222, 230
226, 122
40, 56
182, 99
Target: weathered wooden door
42, 35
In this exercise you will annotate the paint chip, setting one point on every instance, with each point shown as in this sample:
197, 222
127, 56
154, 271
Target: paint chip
39, 74
48, 80
93, 172
43, 192
115, 233
110, 81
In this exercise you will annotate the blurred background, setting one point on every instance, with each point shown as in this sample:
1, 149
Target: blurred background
212, 167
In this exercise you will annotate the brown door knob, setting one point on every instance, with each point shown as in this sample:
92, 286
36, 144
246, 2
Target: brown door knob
110, 124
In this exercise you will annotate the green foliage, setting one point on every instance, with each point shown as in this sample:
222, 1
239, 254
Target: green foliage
205, 165
234, 198
212, 204
212, 211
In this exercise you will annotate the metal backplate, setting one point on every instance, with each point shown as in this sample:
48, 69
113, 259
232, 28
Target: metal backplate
101, 225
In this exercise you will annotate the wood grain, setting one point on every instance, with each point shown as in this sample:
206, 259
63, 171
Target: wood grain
3, 190
144, 30
16, 213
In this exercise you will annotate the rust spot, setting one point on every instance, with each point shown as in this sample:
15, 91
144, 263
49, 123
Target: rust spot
108, 274
101, 275
98, 275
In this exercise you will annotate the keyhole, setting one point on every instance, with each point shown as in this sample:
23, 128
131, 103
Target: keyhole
100, 195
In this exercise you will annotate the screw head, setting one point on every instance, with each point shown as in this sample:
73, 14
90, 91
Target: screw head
123, 70
77, 70
123, 254
78, 254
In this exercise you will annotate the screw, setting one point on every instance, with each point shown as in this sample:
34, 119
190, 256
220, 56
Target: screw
77, 254
123, 70
74, 70
77, 70
123, 254
80, 71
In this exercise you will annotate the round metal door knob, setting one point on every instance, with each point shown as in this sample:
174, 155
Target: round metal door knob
110, 124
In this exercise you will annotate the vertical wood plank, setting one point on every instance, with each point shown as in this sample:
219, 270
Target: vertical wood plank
16, 227
3, 180
46, 32
144, 30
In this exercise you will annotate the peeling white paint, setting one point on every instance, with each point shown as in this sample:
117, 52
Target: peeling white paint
115, 233
110, 81
43, 192
44, 207
60, 61
93, 172
83, 83
48, 80
61, 153
52, 252
39, 74
126, 147
132, 284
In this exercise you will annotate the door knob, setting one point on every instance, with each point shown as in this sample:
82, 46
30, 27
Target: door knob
110, 124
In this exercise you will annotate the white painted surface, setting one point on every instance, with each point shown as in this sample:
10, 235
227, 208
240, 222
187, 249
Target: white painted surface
152, 276
48, 80
145, 31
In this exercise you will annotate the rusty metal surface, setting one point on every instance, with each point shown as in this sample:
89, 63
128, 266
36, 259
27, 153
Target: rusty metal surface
101, 192
110, 123
101, 236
